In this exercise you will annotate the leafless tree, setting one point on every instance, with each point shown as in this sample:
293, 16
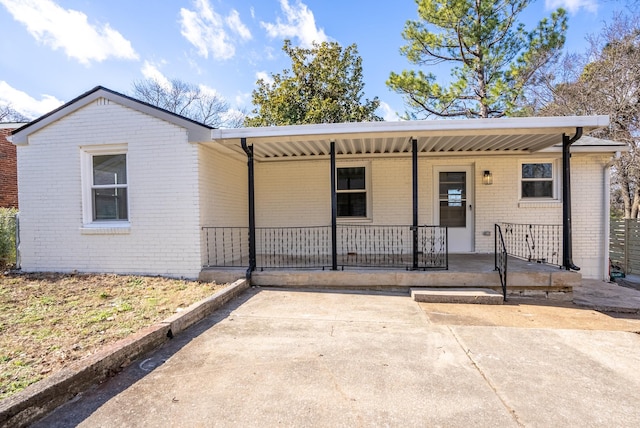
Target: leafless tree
9, 114
188, 100
603, 80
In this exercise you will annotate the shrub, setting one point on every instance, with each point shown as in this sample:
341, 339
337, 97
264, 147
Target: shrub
7, 237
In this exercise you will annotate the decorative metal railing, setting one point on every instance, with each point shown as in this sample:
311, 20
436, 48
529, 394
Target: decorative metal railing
501, 257
392, 246
540, 243
311, 247
226, 246
293, 247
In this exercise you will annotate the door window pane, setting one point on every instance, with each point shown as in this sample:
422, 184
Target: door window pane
453, 199
453, 215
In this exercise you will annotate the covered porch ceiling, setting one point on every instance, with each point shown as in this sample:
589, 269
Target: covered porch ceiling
510, 135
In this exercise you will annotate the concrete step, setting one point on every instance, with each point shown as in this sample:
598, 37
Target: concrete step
457, 295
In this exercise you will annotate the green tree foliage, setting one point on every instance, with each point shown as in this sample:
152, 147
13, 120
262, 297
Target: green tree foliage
324, 85
7, 237
605, 80
491, 56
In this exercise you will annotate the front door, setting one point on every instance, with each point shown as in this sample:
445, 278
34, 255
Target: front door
454, 206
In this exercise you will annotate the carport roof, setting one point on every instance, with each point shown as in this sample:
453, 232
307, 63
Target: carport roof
506, 135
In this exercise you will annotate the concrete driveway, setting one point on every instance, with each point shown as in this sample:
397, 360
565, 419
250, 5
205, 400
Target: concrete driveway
294, 358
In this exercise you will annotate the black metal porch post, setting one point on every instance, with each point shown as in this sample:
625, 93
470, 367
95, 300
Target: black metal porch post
252, 215
414, 168
567, 257
334, 210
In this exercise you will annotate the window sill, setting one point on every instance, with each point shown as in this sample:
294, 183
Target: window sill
540, 203
106, 229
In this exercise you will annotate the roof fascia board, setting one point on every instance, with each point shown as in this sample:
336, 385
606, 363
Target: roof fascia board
589, 149
537, 125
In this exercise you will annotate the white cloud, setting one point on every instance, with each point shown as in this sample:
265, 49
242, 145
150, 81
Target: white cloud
24, 103
208, 90
387, 113
151, 71
236, 25
300, 23
205, 29
69, 30
243, 98
264, 76
232, 116
573, 6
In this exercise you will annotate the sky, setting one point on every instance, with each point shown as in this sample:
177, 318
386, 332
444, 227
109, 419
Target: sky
51, 51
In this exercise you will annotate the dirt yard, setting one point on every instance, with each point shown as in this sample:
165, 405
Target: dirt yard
50, 320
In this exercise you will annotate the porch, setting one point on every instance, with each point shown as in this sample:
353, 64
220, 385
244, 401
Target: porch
526, 259
525, 278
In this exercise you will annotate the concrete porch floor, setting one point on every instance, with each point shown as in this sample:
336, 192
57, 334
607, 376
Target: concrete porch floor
524, 279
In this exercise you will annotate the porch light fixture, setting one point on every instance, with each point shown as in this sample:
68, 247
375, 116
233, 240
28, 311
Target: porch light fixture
487, 178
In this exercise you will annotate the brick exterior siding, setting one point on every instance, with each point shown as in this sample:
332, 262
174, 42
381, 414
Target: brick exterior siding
296, 193
164, 233
8, 169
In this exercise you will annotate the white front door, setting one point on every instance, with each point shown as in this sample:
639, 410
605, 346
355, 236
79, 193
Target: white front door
454, 205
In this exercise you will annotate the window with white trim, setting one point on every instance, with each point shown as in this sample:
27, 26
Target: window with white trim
105, 186
351, 189
109, 188
538, 180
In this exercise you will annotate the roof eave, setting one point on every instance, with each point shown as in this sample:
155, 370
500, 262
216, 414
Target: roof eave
196, 131
534, 125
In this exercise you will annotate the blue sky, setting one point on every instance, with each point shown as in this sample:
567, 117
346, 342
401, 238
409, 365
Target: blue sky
53, 50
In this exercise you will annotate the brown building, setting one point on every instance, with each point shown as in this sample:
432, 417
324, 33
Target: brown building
8, 167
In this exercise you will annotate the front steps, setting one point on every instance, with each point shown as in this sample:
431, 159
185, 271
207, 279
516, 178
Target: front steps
551, 284
483, 296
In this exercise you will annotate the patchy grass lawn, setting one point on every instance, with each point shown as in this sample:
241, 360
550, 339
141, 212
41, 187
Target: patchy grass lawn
50, 320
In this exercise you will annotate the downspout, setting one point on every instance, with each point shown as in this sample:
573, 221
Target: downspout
334, 210
567, 257
414, 169
252, 215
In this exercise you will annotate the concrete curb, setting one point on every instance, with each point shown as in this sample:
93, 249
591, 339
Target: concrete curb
34, 402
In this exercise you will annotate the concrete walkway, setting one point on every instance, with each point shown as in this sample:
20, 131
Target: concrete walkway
292, 358
607, 296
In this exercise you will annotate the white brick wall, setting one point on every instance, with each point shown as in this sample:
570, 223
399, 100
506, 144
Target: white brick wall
223, 192
297, 193
293, 193
223, 188
163, 196
588, 214
176, 187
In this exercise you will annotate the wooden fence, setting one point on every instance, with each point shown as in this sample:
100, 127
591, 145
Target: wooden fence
624, 245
